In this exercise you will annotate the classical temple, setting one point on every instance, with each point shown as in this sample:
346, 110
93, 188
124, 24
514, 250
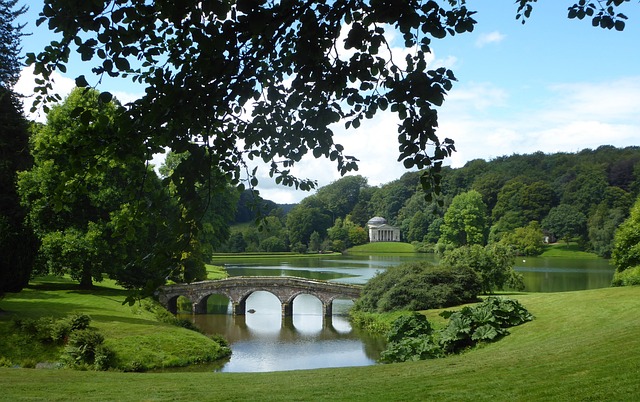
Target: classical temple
380, 231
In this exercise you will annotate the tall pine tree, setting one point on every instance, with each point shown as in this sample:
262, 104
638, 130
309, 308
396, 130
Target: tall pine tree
18, 244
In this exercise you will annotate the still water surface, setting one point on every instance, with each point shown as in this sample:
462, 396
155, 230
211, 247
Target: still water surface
263, 341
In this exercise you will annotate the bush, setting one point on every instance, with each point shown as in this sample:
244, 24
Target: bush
493, 265
628, 277
370, 322
412, 338
84, 348
220, 340
418, 286
79, 321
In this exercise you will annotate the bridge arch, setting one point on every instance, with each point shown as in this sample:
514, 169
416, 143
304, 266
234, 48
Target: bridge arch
200, 305
238, 289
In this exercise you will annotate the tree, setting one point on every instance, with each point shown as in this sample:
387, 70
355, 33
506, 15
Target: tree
531, 201
10, 34
605, 218
465, 222
92, 212
347, 233
525, 240
341, 196
565, 222
626, 243
305, 219
203, 63
208, 212
315, 242
602, 15
493, 264
18, 244
236, 243
273, 244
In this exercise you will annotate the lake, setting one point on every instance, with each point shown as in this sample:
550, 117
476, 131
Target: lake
263, 341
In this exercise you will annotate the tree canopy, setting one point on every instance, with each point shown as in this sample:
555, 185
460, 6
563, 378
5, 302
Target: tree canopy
96, 213
262, 79
626, 246
10, 34
18, 243
267, 79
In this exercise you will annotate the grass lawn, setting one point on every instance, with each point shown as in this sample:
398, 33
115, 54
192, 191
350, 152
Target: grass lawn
581, 346
382, 247
564, 250
132, 332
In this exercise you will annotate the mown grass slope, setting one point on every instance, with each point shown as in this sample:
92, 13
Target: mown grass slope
382, 247
581, 346
132, 332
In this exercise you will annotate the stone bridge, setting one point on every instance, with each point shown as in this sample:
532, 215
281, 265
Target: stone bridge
239, 288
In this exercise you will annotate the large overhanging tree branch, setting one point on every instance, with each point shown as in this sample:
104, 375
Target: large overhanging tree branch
262, 79
268, 79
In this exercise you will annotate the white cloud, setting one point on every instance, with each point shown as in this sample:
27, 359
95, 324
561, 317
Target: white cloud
489, 38
61, 85
573, 117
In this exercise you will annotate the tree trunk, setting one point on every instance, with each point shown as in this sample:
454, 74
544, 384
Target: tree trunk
86, 281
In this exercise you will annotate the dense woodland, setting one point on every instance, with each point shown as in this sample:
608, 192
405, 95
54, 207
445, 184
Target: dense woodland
583, 196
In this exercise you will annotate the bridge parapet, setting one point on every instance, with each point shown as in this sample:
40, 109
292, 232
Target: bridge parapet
239, 288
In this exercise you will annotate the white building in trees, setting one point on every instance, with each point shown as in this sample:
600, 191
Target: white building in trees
380, 231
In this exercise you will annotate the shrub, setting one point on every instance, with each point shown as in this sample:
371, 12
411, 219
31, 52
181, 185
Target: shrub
493, 264
418, 286
59, 331
370, 322
84, 347
104, 358
412, 338
79, 321
29, 363
5, 362
628, 277
220, 340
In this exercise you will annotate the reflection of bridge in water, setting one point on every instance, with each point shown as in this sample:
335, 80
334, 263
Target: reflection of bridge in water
239, 288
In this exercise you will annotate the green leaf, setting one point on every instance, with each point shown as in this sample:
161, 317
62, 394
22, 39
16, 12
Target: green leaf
105, 97
81, 82
122, 64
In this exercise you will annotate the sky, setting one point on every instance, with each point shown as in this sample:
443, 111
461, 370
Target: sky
550, 85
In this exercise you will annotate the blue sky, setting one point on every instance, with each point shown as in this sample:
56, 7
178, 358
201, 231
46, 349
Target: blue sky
551, 85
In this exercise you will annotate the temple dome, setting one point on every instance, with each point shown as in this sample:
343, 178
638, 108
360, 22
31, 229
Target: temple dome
376, 220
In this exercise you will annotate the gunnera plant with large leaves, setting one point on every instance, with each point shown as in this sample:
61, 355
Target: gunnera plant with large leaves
412, 338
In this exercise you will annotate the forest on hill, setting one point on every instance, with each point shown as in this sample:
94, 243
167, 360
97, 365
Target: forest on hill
581, 196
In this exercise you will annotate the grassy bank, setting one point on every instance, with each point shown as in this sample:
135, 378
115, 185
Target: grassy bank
138, 339
581, 346
223, 258
382, 248
564, 250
